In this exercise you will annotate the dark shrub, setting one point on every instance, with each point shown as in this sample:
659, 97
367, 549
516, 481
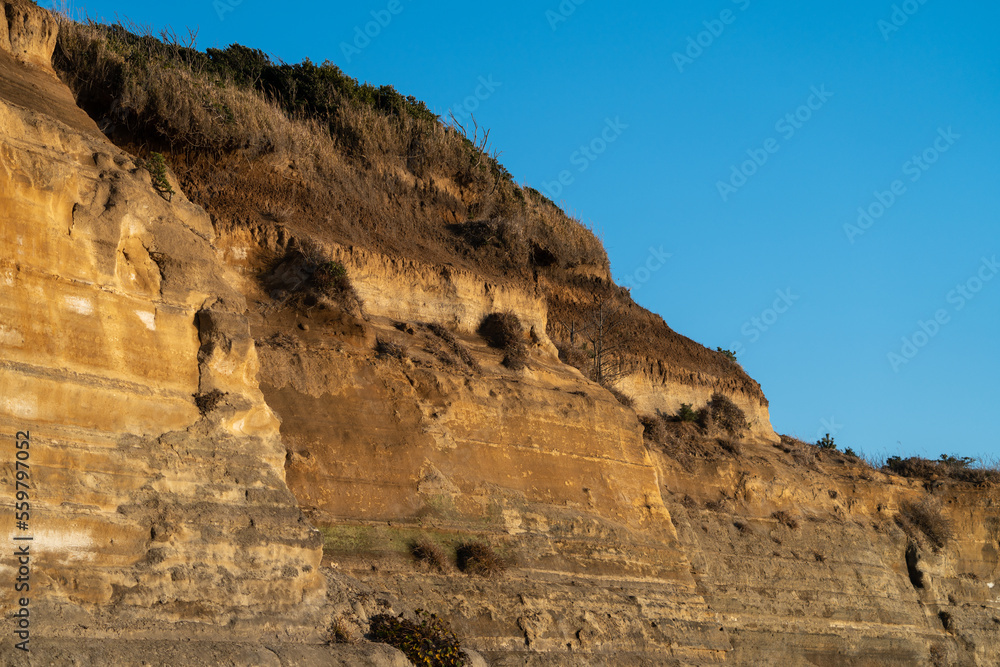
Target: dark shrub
428, 641
208, 402
727, 415
653, 428
157, 167
729, 354
479, 558
502, 331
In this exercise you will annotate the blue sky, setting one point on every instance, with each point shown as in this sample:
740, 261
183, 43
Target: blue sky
741, 137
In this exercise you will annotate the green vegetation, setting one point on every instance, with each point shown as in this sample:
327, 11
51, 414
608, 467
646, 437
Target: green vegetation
687, 414
729, 354
426, 641
826, 442
157, 167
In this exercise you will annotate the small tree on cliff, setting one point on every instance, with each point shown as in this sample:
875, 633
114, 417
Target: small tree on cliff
601, 326
604, 331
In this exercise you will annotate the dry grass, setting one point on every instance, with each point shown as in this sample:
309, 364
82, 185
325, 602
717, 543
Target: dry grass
621, 397
341, 633
455, 346
928, 518
480, 559
369, 143
727, 415
430, 554
957, 469
653, 428
785, 519
387, 348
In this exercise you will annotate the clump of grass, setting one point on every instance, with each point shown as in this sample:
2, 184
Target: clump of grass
425, 641
743, 528
456, 346
481, 559
927, 517
340, 633
429, 553
388, 348
785, 519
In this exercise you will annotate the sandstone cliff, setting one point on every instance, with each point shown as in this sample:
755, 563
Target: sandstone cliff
228, 462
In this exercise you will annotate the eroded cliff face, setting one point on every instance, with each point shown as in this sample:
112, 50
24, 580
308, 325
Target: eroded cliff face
158, 492
194, 413
627, 551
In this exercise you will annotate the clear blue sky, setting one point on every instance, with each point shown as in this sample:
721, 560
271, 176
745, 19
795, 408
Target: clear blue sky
922, 84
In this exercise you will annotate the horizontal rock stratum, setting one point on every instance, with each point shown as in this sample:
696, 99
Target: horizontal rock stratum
247, 401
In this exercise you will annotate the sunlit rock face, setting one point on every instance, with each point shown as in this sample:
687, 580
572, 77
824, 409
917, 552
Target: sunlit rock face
157, 478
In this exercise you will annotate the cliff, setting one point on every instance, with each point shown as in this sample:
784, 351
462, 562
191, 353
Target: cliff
250, 399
